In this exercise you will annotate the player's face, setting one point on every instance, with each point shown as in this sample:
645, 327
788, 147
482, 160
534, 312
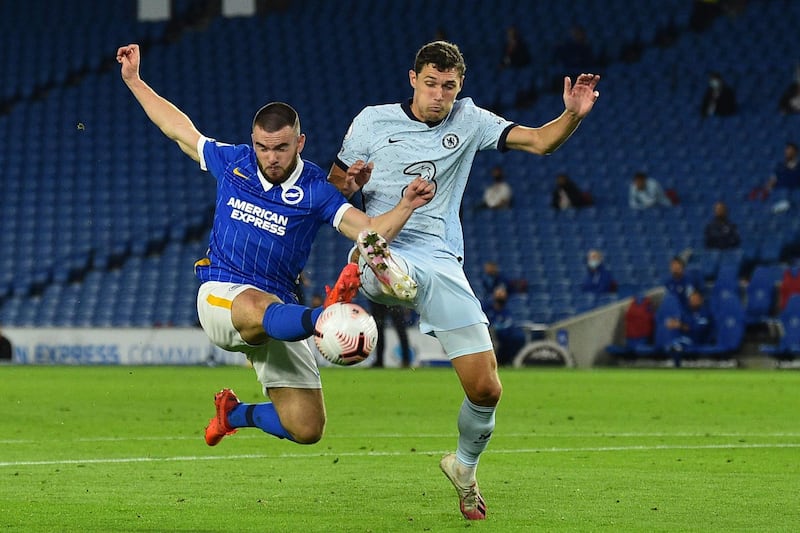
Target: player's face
434, 92
276, 152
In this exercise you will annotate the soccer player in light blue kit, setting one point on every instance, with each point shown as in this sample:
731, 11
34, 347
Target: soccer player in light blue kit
436, 136
270, 205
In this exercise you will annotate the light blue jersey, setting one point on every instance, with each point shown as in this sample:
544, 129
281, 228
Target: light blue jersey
262, 233
402, 147
431, 244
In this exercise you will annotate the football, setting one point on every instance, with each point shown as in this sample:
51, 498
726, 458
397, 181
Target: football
345, 333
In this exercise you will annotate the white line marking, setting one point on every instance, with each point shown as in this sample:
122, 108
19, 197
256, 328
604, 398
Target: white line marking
427, 436
122, 460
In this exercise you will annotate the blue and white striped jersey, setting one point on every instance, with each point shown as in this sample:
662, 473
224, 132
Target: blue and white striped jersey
402, 147
262, 233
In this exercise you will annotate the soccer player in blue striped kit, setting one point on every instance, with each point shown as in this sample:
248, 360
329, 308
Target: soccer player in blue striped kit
270, 205
437, 136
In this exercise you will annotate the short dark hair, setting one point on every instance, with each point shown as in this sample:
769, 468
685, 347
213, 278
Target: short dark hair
276, 116
442, 55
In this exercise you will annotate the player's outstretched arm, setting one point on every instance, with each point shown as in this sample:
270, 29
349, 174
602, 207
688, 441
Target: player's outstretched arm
418, 193
170, 120
579, 100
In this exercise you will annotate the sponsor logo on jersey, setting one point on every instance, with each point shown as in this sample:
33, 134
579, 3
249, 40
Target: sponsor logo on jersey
239, 173
244, 211
424, 169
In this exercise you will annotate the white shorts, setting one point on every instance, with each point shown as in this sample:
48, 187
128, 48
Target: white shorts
277, 363
445, 302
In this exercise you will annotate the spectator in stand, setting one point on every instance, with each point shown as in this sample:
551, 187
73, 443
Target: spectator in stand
645, 192
567, 194
507, 336
696, 324
790, 99
680, 283
598, 278
719, 99
787, 172
491, 278
499, 194
515, 52
576, 53
785, 176
720, 232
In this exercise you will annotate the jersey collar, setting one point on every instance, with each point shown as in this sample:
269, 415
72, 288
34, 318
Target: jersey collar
406, 107
290, 181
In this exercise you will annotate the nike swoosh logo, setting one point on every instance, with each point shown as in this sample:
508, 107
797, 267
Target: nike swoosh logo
238, 172
392, 141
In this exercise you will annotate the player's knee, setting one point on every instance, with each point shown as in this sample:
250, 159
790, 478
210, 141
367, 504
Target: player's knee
486, 393
309, 434
307, 430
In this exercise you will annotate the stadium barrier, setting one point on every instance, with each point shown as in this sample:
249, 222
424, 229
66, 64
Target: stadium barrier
589, 333
110, 346
165, 346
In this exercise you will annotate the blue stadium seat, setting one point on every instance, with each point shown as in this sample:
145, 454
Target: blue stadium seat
120, 188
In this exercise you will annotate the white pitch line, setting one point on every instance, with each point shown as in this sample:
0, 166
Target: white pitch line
426, 436
122, 460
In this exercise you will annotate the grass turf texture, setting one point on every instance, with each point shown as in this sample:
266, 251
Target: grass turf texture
121, 449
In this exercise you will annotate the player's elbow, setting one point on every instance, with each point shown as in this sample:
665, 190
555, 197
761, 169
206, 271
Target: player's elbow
546, 150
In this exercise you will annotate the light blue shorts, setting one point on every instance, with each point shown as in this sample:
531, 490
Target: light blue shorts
445, 302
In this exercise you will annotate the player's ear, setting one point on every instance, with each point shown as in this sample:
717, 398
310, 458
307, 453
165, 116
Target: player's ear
412, 78
301, 142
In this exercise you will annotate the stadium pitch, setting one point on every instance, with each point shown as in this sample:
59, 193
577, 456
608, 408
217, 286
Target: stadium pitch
121, 449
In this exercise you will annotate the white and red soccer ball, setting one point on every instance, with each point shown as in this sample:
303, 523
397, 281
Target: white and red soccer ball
345, 333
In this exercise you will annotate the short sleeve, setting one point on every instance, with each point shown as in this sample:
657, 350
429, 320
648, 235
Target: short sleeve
356, 144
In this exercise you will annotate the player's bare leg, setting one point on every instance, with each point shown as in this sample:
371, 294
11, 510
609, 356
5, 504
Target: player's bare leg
301, 411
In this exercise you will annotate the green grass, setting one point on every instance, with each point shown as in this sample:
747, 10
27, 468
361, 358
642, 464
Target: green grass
120, 449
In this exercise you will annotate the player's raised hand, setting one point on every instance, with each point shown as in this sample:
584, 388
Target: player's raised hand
359, 173
419, 192
580, 98
129, 57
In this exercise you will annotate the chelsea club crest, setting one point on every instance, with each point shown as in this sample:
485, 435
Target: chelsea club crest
450, 141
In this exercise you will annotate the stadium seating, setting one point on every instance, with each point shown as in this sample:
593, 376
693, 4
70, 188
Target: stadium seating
761, 295
110, 208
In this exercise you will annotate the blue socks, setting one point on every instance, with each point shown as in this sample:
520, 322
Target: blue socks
258, 415
475, 426
290, 322
285, 322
